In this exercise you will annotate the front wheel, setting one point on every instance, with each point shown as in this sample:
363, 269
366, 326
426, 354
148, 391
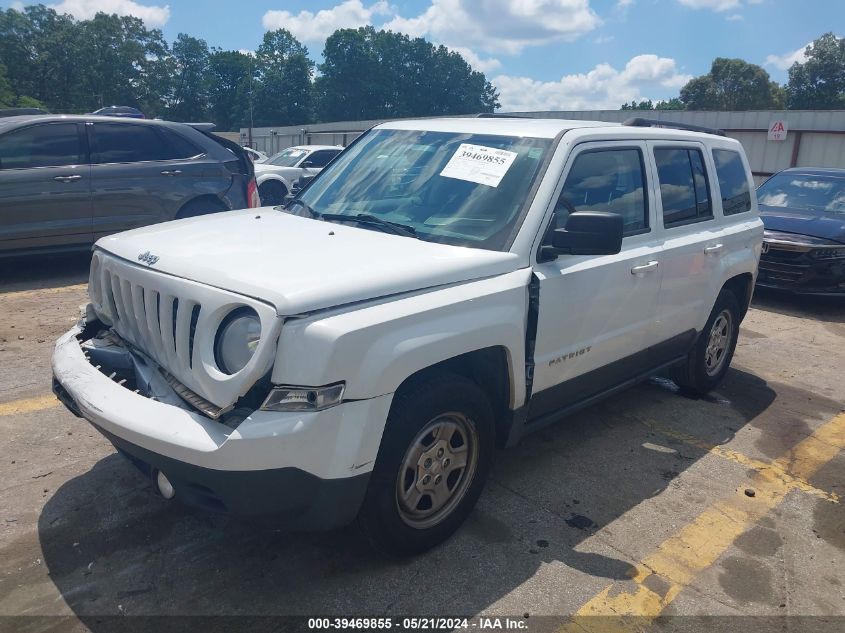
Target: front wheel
434, 458
710, 359
272, 193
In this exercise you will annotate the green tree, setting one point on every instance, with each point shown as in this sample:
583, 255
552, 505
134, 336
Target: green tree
374, 74
732, 84
230, 82
189, 72
283, 96
7, 97
819, 82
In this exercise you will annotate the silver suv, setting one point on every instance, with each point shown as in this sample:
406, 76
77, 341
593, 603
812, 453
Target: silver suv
66, 181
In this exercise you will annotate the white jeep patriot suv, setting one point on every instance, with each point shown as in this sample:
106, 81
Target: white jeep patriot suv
443, 287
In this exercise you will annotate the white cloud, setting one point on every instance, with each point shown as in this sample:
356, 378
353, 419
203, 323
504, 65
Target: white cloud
17, 5
483, 64
604, 87
624, 4
316, 27
152, 15
735, 17
500, 26
715, 5
783, 62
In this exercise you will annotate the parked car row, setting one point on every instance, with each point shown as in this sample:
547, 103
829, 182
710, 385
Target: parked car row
276, 175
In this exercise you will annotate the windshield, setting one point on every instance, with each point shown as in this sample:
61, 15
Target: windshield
804, 192
287, 158
459, 189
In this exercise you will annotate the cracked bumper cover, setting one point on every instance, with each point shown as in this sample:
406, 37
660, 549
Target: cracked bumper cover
309, 469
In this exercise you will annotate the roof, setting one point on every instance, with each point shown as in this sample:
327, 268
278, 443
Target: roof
543, 128
816, 171
313, 147
14, 121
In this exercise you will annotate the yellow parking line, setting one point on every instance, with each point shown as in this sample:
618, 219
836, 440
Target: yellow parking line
29, 405
21, 294
659, 578
778, 469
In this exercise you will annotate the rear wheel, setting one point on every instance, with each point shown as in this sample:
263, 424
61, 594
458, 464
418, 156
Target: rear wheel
434, 458
710, 359
272, 193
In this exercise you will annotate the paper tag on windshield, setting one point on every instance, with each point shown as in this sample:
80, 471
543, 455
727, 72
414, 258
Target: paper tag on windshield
480, 164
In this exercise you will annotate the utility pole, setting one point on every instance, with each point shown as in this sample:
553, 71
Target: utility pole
250, 101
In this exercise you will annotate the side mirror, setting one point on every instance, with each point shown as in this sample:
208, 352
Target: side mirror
589, 233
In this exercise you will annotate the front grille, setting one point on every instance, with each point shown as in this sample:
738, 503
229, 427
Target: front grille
161, 325
174, 321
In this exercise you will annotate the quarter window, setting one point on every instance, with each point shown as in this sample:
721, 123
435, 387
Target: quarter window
117, 143
54, 145
733, 182
609, 180
684, 189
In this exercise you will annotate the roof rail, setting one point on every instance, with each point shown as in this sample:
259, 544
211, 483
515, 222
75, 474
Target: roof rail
501, 115
641, 122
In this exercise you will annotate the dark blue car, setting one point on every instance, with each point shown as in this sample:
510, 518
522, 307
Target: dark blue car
803, 210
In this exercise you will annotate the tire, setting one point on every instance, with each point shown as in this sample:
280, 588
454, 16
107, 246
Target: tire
272, 193
196, 208
435, 423
710, 359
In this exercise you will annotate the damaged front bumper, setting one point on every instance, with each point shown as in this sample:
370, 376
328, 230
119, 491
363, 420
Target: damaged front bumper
309, 468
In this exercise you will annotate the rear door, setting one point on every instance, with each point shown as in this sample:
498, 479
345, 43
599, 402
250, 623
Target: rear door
595, 312
694, 240
143, 174
45, 187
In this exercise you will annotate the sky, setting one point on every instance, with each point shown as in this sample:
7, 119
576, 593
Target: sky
540, 54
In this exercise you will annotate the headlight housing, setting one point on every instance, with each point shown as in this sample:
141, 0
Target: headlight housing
237, 339
304, 398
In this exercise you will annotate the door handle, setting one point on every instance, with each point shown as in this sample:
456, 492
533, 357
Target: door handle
645, 268
68, 178
168, 172
713, 249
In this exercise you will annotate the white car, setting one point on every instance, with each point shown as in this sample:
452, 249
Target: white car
256, 155
276, 176
445, 286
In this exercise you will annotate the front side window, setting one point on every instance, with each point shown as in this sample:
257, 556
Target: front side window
456, 188
610, 180
733, 182
684, 189
121, 143
321, 158
51, 145
798, 193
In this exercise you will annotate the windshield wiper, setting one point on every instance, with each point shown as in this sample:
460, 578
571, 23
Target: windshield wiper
365, 218
304, 205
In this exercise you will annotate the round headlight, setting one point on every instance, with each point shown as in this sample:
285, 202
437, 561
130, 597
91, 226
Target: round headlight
237, 340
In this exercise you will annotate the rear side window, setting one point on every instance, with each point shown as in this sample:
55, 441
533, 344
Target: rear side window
684, 189
321, 158
609, 180
52, 145
116, 143
733, 182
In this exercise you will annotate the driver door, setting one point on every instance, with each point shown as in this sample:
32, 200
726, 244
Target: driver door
595, 311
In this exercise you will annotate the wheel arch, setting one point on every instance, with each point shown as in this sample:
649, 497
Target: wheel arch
209, 198
742, 286
490, 369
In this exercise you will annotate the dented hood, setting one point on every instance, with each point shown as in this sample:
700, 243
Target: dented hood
298, 264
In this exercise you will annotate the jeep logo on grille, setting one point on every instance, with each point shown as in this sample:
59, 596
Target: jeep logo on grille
765, 248
148, 258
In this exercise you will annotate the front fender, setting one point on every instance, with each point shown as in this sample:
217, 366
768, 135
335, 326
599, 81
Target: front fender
376, 346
